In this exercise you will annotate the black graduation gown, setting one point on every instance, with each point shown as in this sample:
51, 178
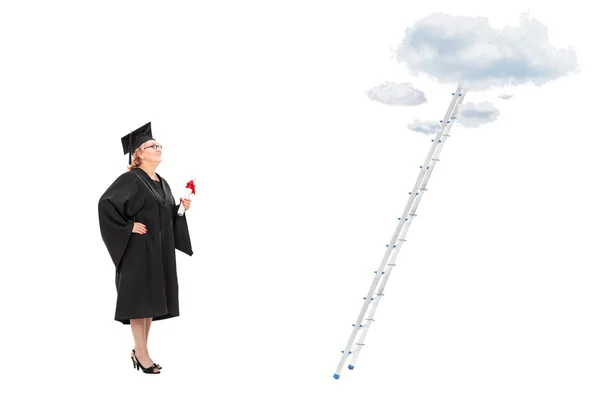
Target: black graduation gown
146, 273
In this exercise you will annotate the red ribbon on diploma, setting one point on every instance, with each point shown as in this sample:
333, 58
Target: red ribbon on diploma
191, 185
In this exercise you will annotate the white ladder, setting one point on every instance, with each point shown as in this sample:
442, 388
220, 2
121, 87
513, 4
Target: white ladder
399, 237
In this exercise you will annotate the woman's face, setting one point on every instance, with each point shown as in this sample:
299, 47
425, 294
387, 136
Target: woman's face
151, 152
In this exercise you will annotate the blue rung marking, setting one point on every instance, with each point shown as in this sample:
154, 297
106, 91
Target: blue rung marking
360, 326
336, 376
432, 140
441, 121
406, 219
452, 94
460, 94
409, 192
350, 366
348, 352
364, 298
420, 166
439, 141
417, 195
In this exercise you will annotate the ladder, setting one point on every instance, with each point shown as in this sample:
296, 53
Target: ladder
371, 301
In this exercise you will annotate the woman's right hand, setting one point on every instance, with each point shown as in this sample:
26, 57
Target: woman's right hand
139, 228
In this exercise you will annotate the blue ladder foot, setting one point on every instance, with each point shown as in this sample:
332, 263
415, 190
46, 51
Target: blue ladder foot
336, 376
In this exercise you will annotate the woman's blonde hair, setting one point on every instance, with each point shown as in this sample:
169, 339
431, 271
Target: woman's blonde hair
136, 160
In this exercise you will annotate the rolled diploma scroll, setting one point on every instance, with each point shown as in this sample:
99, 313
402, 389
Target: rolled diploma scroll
189, 189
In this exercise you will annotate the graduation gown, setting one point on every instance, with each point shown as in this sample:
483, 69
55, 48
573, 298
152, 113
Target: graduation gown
145, 268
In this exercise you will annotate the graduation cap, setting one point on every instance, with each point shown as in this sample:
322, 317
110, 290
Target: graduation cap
135, 139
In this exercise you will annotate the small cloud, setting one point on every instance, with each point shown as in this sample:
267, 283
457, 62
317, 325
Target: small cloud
505, 96
425, 127
397, 94
472, 115
458, 48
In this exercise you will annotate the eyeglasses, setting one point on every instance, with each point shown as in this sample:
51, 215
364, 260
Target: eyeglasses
154, 146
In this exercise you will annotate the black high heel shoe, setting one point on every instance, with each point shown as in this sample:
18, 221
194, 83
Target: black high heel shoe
153, 364
149, 370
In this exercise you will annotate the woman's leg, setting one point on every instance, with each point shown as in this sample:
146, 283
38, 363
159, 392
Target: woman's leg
148, 323
139, 330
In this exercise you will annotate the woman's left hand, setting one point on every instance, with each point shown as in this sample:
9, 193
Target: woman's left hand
186, 203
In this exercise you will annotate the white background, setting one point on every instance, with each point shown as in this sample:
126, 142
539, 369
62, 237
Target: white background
300, 180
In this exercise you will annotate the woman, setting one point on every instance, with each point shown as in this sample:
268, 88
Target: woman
141, 230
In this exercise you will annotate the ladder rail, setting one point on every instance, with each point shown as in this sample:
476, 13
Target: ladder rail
391, 246
428, 173
392, 261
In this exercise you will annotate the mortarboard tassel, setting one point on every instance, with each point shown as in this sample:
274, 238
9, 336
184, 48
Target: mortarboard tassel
130, 136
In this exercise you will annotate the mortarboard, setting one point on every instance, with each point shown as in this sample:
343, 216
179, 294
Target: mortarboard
134, 139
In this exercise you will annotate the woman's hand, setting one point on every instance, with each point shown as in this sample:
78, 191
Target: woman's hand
140, 228
186, 203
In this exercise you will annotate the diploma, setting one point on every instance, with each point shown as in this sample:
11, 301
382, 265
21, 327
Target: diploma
190, 189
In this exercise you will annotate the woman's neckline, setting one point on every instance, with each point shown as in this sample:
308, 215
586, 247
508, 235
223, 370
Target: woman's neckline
151, 178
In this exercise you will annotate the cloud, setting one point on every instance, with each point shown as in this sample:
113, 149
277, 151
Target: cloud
458, 48
397, 94
425, 127
472, 115
505, 96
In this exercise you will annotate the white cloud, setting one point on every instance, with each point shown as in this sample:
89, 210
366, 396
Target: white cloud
472, 115
458, 48
425, 127
397, 94
505, 96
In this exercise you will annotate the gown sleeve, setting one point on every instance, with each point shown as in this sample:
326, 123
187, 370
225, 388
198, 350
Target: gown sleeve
181, 232
116, 210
